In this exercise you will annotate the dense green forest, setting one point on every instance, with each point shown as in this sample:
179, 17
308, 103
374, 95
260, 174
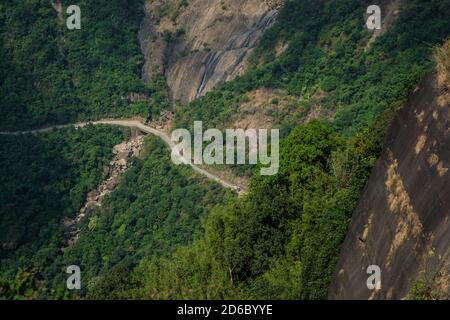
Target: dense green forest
156, 207
45, 178
49, 74
327, 54
327, 64
165, 233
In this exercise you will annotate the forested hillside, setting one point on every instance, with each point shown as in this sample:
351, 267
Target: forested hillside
156, 207
49, 74
327, 64
164, 233
410, 181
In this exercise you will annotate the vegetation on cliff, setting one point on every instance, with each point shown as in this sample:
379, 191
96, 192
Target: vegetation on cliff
156, 207
283, 239
327, 63
180, 237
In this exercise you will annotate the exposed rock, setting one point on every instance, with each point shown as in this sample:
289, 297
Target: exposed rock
123, 155
91, 206
122, 152
136, 97
136, 152
274, 4
93, 195
402, 220
209, 41
390, 10
67, 223
56, 4
164, 121
111, 183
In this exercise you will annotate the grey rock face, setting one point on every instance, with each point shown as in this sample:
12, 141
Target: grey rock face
214, 48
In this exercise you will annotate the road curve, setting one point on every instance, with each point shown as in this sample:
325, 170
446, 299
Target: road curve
144, 128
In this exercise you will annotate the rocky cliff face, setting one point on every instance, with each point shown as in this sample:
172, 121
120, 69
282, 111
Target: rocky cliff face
402, 221
197, 44
116, 168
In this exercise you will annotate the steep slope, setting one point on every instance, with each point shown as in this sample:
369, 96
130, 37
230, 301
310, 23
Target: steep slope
402, 220
316, 63
283, 239
199, 44
44, 179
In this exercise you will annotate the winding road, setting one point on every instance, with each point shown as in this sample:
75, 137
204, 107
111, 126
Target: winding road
144, 128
